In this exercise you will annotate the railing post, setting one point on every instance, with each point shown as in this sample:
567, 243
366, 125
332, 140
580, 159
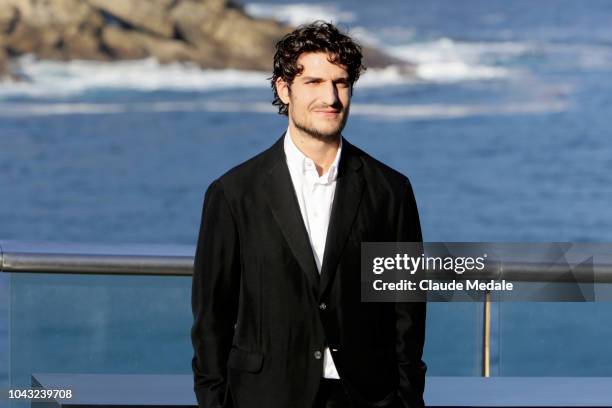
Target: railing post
486, 336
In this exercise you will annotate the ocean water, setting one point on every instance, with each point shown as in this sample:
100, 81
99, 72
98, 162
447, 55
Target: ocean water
504, 133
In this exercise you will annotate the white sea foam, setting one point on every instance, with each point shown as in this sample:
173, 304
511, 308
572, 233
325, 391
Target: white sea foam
391, 75
55, 78
445, 60
442, 60
450, 111
52, 79
304, 13
79, 108
300, 13
381, 111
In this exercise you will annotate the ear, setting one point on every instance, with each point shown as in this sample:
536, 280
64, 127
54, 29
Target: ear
282, 89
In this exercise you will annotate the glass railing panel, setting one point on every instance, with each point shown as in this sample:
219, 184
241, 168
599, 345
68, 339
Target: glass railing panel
69, 323
4, 333
453, 343
552, 339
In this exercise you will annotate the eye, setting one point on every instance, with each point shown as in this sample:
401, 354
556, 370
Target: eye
342, 83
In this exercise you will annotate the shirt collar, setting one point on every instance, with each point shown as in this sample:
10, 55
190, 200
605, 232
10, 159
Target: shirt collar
298, 162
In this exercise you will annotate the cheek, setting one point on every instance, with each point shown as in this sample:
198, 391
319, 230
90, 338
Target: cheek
298, 106
306, 96
345, 96
297, 99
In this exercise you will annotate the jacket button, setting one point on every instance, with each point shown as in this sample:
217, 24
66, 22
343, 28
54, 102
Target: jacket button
323, 306
317, 355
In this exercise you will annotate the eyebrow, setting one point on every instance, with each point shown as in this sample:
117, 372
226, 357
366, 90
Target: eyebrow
308, 78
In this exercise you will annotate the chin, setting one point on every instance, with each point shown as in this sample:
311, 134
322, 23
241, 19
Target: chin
329, 129
324, 134
322, 130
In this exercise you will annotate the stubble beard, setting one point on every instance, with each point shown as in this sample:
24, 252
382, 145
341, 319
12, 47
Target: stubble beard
330, 136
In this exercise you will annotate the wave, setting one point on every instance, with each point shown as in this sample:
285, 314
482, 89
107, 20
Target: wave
446, 60
381, 111
299, 13
56, 78
440, 60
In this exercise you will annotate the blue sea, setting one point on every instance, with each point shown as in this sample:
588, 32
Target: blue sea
504, 131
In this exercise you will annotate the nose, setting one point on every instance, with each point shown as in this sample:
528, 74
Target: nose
330, 94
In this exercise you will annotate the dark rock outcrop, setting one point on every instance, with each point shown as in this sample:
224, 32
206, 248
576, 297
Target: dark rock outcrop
3, 65
209, 33
151, 16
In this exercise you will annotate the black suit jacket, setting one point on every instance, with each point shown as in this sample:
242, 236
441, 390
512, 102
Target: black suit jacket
263, 314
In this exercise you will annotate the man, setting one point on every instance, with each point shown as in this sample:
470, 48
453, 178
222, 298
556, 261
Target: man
278, 318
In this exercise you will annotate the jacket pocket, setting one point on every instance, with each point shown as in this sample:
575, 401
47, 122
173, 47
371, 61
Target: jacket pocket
244, 360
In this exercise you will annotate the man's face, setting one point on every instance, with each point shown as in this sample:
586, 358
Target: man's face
319, 97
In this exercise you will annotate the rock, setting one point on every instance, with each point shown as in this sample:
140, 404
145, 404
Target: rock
122, 44
61, 29
257, 45
128, 44
8, 19
189, 18
374, 58
209, 33
3, 63
27, 38
212, 24
149, 15
55, 13
63, 44
166, 50
83, 41
81, 45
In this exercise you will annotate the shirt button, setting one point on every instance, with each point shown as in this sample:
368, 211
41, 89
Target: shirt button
323, 306
317, 355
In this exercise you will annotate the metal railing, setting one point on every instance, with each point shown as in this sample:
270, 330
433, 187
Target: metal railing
156, 259
77, 258
177, 260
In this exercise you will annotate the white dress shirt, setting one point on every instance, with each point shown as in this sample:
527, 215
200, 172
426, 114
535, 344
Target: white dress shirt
315, 195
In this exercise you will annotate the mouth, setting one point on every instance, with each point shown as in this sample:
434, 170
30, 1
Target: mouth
328, 112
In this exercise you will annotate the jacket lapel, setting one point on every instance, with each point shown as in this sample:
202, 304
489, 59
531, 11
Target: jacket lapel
283, 203
349, 189
282, 200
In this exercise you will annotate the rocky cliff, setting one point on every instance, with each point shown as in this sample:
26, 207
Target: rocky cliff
209, 33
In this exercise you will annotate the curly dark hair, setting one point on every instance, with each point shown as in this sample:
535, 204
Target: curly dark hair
318, 36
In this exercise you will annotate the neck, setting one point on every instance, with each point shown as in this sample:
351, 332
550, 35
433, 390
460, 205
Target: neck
321, 152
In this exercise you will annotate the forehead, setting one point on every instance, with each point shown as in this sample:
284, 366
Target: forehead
316, 64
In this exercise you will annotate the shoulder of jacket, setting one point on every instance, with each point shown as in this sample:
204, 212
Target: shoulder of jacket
246, 174
377, 169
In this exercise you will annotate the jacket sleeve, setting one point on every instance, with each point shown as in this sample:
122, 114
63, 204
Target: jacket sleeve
410, 316
214, 299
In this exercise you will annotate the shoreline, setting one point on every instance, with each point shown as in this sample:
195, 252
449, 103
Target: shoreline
170, 31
